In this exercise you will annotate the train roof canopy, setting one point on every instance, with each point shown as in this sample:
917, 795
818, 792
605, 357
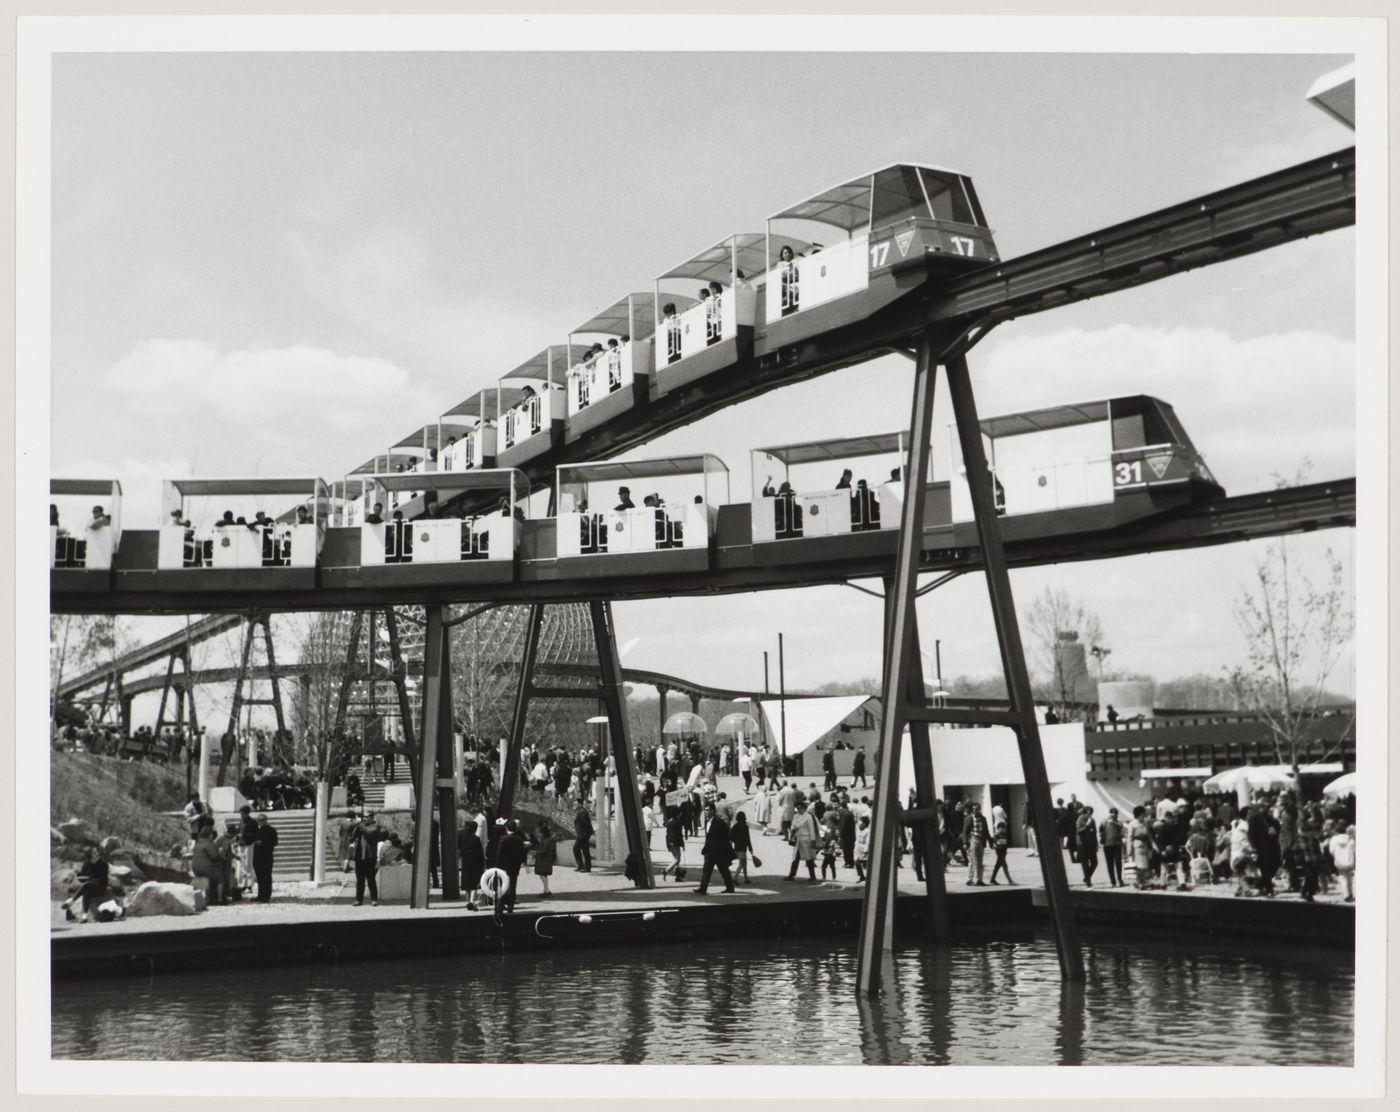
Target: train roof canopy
473, 406
384, 459
847, 447
490, 478
433, 435
539, 366
751, 248
233, 487
617, 319
848, 206
100, 487
641, 468
1037, 420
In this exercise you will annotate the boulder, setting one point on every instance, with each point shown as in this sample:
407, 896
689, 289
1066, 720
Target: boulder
159, 898
111, 844
56, 837
75, 832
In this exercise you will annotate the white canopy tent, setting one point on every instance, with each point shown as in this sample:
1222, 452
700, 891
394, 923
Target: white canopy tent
809, 720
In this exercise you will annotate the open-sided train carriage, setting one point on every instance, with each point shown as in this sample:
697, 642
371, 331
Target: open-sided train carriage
85, 532
638, 516
609, 364
532, 414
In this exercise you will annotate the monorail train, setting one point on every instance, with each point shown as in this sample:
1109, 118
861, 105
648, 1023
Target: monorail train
828, 261
1061, 470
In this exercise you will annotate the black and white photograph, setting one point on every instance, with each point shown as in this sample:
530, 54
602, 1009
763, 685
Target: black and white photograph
806, 543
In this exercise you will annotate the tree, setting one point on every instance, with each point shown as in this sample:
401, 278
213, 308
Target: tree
81, 642
1061, 631
1295, 633
325, 651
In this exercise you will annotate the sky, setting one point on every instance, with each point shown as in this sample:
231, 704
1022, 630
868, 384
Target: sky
280, 264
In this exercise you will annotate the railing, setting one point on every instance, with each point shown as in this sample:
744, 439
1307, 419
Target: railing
527, 414
821, 276
240, 546
641, 529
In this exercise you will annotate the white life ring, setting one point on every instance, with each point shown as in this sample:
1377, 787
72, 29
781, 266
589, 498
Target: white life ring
495, 881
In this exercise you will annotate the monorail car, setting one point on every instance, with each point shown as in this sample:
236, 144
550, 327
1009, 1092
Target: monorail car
76, 551
532, 414
613, 374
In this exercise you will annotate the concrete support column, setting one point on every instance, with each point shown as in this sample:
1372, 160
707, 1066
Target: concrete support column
204, 755
318, 853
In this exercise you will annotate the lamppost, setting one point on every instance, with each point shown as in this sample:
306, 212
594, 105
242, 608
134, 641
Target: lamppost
1098, 652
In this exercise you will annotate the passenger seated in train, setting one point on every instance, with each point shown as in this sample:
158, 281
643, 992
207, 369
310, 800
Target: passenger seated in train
53, 517
260, 521
787, 516
226, 522
100, 518
624, 500
177, 519
672, 324
303, 516
865, 508
377, 516
768, 491
845, 481
527, 393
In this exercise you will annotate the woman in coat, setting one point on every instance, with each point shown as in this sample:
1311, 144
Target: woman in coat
804, 838
544, 842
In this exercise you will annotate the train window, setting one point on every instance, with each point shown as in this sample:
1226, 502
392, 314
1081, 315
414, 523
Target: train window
1128, 431
897, 195
948, 198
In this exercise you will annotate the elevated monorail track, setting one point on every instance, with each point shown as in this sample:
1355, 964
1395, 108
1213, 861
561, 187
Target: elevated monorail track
738, 566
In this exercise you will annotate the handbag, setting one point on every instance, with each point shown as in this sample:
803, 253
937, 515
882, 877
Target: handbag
757, 864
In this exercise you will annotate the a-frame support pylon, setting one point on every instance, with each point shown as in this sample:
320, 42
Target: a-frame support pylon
903, 671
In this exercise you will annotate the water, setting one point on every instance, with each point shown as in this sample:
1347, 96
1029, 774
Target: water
997, 1001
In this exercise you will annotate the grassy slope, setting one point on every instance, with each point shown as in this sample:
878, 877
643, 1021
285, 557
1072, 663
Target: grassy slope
121, 799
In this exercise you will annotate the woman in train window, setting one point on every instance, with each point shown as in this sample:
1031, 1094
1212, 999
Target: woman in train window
845, 481
614, 366
713, 319
787, 272
624, 500
672, 324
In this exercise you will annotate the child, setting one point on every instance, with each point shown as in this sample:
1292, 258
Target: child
829, 848
1000, 841
862, 847
1201, 870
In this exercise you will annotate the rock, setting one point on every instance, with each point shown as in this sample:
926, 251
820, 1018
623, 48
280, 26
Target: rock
75, 832
158, 898
67, 852
56, 837
111, 844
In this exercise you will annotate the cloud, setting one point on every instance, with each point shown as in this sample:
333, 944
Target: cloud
218, 405
1252, 406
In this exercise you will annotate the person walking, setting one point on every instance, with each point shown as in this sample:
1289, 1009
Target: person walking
829, 770
1001, 841
510, 858
858, 769
675, 842
862, 847
803, 837
746, 767
1140, 841
1111, 833
263, 850
545, 842
247, 838
846, 832
365, 837
740, 837
974, 838
1087, 836
717, 852
1028, 828
787, 809
1342, 847
473, 857
583, 839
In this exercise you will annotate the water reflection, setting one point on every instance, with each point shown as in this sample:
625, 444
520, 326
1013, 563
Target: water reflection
983, 1001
